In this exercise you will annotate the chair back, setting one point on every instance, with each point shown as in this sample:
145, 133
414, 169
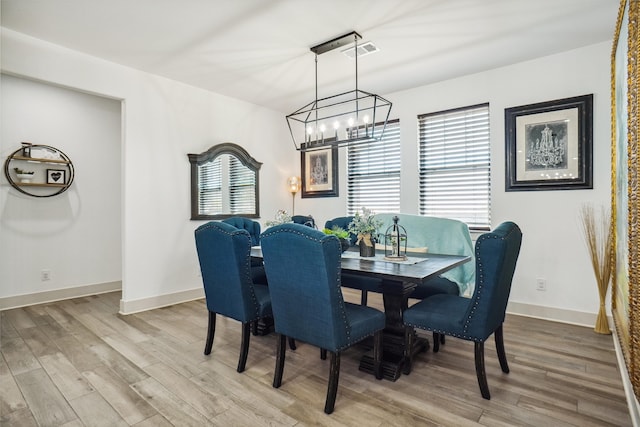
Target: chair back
303, 270
253, 227
304, 220
496, 255
342, 222
224, 252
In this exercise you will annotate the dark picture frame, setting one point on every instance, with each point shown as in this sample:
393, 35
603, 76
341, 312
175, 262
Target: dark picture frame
549, 145
319, 173
56, 176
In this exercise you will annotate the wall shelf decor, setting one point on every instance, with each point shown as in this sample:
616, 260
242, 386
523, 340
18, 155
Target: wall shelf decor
44, 171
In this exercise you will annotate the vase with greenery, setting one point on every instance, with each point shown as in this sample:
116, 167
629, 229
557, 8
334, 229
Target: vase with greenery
598, 235
364, 226
341, 234
282, 217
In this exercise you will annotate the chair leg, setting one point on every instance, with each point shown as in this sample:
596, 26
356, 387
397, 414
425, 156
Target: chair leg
282, 348
502, 356
377, 354
364, 297
480, 372
210, 333
292, 344
334, 377
442, 338
254, 327
244, 347
323, 354
436, 341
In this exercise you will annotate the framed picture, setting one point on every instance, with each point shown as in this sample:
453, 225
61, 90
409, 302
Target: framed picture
56, 176
319, 173
549, 145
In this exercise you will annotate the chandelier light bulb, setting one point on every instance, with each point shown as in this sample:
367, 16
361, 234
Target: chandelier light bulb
365, 119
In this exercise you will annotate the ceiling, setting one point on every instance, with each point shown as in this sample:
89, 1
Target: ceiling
258, 50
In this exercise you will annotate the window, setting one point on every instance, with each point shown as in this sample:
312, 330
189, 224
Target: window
455, 165
373, 173
224, 183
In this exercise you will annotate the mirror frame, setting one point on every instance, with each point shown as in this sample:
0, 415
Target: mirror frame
209, 155
625, 191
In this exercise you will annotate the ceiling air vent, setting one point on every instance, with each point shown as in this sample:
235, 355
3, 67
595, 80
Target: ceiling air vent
363, 49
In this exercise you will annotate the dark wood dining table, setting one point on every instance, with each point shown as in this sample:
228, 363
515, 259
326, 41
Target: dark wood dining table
398, 280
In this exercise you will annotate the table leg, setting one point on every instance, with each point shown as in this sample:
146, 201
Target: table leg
395, 296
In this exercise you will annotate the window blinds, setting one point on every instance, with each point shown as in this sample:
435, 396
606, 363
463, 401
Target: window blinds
455, 165
210, 186
242, 184
373, 173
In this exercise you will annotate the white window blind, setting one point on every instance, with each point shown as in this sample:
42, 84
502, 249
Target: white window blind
242, 187
210, 187
455, 165
226, 185
373, 173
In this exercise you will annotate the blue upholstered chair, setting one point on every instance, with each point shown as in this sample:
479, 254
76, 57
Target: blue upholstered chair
303, 269
475, 319
364, 284
304, 220
253, 227
224, 252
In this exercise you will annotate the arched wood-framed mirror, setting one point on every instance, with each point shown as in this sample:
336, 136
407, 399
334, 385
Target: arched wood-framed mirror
224, 183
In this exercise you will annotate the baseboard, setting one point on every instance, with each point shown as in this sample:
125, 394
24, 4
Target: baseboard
16, 301
632, 401
143, 304
562, 315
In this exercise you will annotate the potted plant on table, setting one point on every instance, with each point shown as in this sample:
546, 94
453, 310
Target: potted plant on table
341, 234
364, 226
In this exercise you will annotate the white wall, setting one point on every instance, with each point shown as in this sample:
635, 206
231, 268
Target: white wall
74, 235
553, 247
165, 120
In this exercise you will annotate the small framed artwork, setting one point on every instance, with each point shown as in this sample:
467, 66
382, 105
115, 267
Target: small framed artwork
56, 176
549, 145
319, 173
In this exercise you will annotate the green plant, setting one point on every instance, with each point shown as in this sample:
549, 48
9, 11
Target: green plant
339, 232
22, 171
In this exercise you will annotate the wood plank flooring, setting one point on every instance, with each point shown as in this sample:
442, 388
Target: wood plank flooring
78, 362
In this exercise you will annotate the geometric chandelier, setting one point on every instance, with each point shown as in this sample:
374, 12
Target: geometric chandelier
348, 118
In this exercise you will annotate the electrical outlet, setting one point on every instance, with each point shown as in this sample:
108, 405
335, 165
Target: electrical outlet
541, 284
45, 275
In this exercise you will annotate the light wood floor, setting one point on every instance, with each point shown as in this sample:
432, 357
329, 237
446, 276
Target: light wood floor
78, 362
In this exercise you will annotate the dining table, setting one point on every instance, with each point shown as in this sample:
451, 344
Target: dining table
398, 279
